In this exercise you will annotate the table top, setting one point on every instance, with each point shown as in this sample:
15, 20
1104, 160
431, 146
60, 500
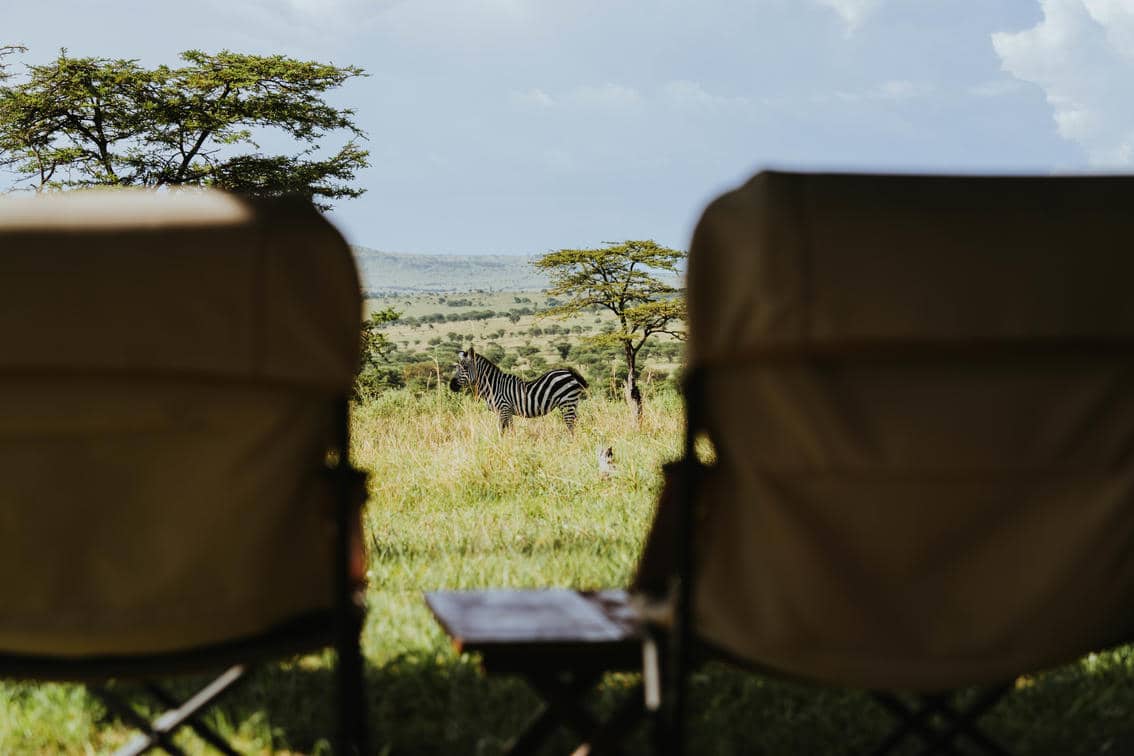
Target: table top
518, 628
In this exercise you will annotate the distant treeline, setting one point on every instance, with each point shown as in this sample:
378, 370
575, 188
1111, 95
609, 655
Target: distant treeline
400, 272
419, 369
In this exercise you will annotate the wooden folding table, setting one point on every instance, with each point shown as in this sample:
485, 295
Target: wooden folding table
562, 642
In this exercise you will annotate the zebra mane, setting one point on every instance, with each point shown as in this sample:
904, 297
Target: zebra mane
582, 381
483, 365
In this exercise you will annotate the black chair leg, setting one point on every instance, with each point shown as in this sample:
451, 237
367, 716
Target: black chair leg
351, 695
963, 723
159, 733
198, 725
150, 737
915, 721
940, 736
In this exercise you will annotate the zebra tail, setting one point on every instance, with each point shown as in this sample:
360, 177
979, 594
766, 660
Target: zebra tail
582, 381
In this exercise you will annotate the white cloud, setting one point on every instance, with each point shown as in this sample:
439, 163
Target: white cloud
853, 12
900, 89
895, 90
462, 24
337, 12
559, 160
690, 95
532, 98
996, 88
680, 94
1082, 55
299, 19
1117, 17
607, 96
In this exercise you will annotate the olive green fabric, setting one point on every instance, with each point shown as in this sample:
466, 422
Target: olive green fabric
168, 388
922, 400
189, 283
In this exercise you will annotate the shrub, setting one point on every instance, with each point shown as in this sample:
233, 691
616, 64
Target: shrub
493, 351
372, 381
420, 377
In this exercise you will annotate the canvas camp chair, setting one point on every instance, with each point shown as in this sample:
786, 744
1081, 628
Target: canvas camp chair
920, 392
176, 493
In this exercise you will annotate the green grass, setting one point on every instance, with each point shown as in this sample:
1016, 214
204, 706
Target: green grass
454, 504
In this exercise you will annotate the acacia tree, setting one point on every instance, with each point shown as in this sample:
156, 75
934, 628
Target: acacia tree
97, 121
374, 354
376, 348
624, 279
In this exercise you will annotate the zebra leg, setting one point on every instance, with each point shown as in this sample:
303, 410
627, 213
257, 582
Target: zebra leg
505, 419
569, 417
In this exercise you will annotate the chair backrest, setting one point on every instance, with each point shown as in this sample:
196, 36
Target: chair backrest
921, 395
172, 375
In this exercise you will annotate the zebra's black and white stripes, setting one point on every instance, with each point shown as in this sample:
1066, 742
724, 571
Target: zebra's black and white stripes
511, 395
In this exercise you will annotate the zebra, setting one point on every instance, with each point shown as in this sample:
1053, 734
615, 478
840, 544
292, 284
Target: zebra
511, 395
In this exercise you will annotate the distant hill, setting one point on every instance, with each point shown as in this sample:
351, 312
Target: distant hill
384, 272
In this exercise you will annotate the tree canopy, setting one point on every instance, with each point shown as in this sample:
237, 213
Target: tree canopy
97, 121
624, 279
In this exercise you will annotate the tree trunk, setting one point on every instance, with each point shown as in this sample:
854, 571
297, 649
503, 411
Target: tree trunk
634, 398
632, 393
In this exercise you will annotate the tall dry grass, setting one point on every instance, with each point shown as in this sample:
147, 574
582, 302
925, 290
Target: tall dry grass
455, 503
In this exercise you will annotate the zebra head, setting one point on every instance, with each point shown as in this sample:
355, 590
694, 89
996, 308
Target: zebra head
464, 374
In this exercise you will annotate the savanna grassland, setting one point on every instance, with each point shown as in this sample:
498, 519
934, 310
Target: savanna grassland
512, 329
456, 504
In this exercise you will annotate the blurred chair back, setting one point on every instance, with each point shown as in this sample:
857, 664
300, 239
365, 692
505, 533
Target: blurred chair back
173, 389
920, 391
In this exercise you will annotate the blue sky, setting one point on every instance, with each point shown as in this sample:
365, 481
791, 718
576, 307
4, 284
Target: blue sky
523, 126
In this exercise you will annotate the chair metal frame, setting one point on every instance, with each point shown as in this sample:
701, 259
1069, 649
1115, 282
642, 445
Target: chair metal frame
938, 722
339, 628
